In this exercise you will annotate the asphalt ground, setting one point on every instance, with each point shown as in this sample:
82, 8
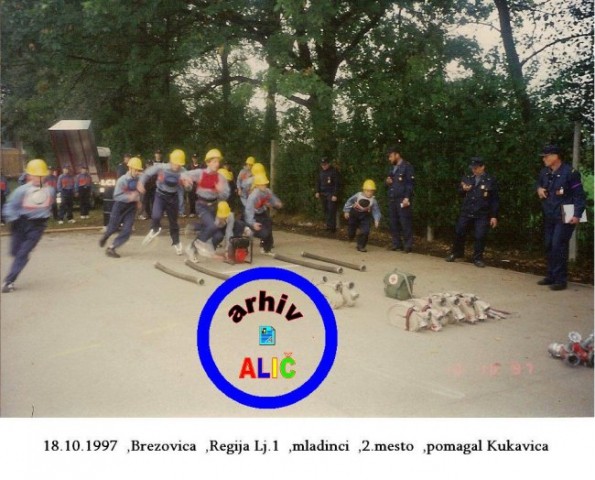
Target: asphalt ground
85, 335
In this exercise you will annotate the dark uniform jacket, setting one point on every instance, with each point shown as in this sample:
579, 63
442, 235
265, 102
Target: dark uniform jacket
483, 199
328, 182
563, 187
403, 181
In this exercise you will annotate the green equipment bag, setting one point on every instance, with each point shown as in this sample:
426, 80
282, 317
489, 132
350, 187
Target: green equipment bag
399, 285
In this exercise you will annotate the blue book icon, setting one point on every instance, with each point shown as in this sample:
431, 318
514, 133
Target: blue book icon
266, 335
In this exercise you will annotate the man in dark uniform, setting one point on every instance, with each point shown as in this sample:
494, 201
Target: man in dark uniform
327, 190
479, 211
559, 187
123, 165
400, 182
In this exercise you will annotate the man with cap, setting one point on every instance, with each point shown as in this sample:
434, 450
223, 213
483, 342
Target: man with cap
400, 182
559, 187
327, 190
479, 211
123, 165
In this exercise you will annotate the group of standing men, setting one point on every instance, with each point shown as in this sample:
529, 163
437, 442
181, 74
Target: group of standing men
559, 187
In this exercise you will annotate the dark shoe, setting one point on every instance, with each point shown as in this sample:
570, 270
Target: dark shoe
110, 252
350, 239
394, 248
479, 263
407, 250
545, 281
362, 249
102, 242
558, 286
450, 258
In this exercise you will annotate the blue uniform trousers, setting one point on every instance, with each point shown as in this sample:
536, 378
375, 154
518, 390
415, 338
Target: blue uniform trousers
266, 231
206, 211
169, 204
361, 220
85, 199
329, 210
401, 224
66, 205
122, 213
25, 236
481, 226
557, 238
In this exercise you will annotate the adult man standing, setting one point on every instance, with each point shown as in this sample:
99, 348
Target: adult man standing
478, 211
400, 182
123, 165
559, 187
327, 190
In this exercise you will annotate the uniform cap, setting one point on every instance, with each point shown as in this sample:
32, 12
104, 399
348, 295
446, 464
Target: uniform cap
550, 150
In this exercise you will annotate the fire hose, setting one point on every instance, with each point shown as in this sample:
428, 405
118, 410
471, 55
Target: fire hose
212, 273
361, 268
188, 278
303, 263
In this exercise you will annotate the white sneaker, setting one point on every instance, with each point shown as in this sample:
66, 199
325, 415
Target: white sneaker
192, 253
60, 222
8, 287
179, 249
142, 217
150, 237
72, 220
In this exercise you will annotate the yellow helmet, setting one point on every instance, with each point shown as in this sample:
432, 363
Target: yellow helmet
135, 163
213, 153
250, 161
258, 168
37, 168
223, 210
178, 157
260, 179
369, 185
226, 173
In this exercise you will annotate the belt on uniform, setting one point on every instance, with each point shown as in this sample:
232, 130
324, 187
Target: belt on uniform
206, 201
166, 194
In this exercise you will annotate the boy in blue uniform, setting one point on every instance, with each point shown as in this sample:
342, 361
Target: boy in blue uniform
66, 191
256, 214
210, 187
479, 211
4, 191
82, 189
359, 210
126, 202
558, 184
28, 208
166, 196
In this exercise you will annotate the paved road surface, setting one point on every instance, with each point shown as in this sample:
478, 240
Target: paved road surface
90, 336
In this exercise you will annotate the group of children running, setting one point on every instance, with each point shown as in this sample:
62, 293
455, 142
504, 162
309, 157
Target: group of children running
29, 207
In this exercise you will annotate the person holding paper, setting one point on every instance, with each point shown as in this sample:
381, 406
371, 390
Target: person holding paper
558, 184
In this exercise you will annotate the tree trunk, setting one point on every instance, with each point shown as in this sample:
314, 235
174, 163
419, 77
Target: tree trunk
512, 59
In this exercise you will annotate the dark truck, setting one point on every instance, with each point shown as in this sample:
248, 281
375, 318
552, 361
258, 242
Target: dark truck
74, 145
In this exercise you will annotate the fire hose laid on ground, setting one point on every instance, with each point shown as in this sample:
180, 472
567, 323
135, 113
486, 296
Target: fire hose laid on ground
576, 352
182, 276
441, 309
